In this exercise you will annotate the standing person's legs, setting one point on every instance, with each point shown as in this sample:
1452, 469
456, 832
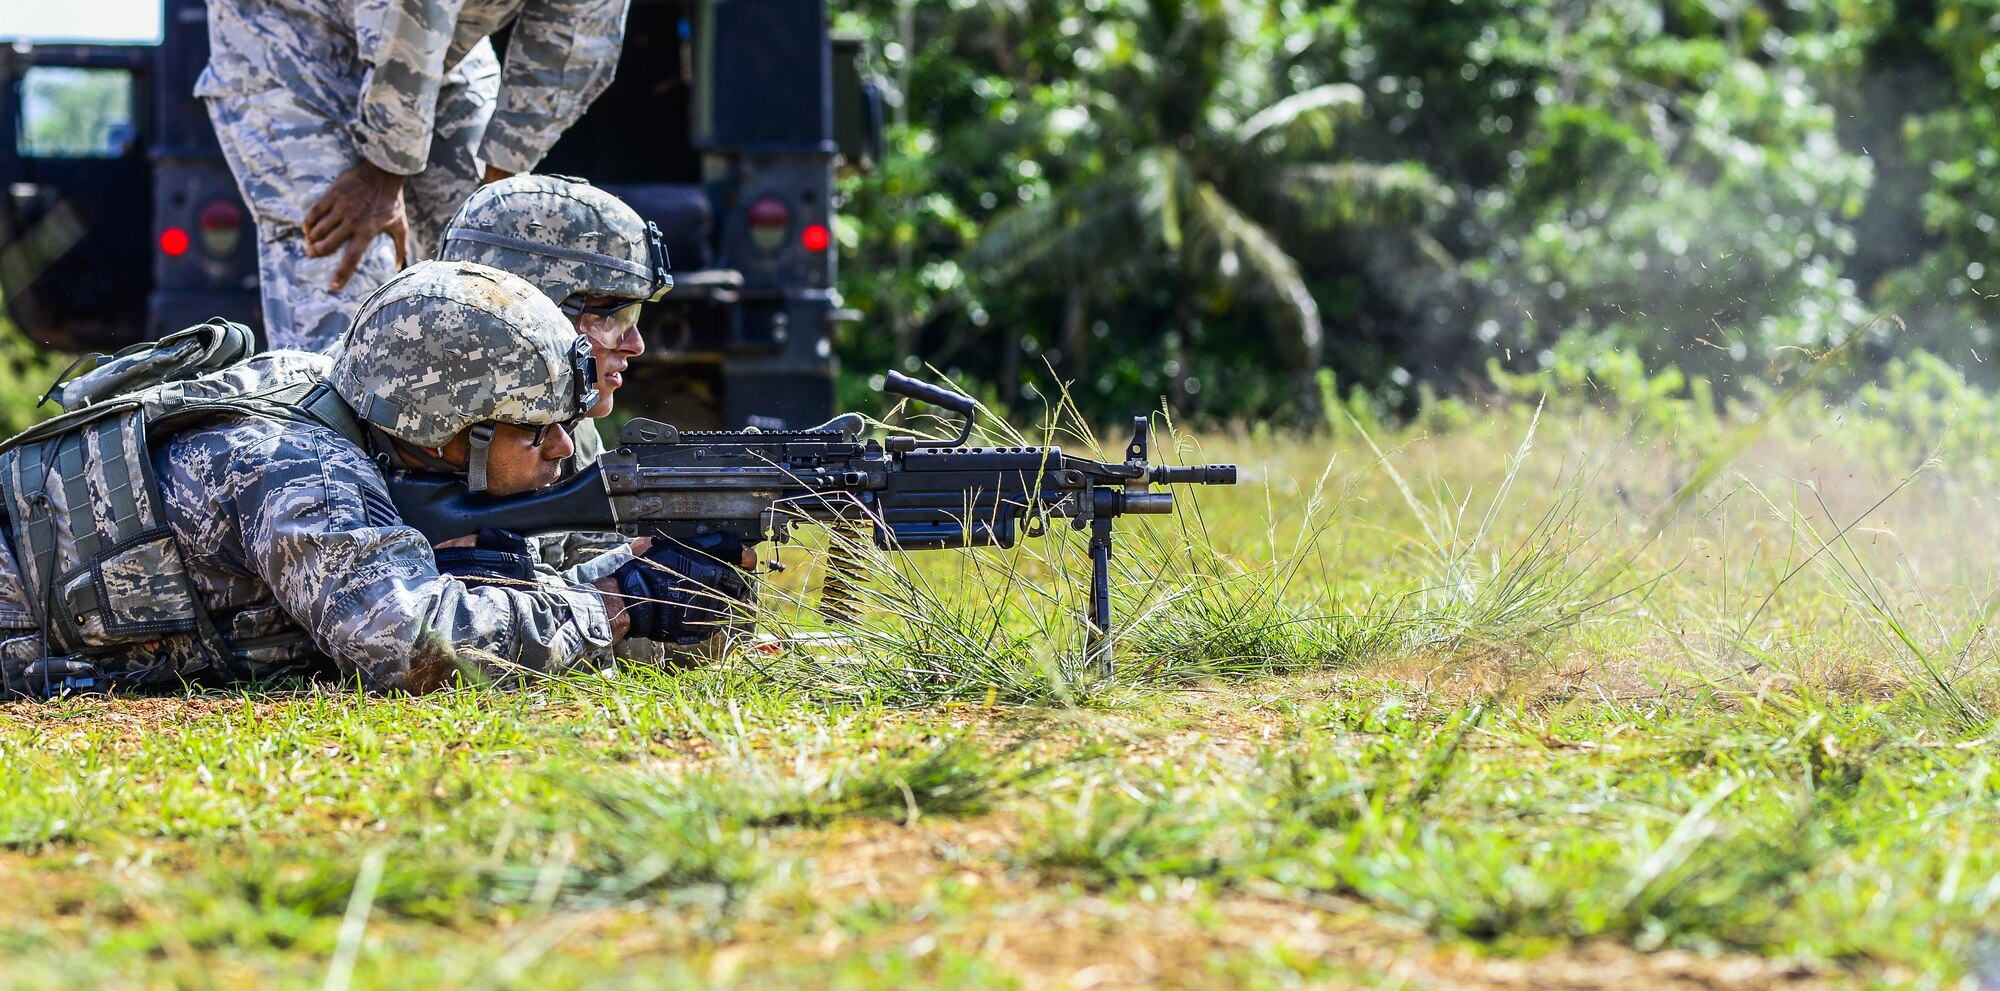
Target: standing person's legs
284, 153
282, 81
465, 104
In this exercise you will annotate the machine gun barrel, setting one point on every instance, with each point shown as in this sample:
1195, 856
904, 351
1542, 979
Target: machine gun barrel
1195, 474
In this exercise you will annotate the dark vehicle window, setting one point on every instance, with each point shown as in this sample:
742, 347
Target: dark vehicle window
76, 113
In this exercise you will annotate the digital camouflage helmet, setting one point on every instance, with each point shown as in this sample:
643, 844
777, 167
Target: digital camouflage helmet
450, 345
568, 237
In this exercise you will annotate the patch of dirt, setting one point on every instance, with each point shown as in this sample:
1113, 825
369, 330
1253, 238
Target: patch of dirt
881, 887
1658, 669
123, 723
878, 887
1056, 936
1605, 965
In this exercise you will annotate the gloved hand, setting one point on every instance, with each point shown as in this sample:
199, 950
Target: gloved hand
676, 593
497, 557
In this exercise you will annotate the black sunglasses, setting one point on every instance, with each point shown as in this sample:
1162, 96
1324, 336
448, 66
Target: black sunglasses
541, 433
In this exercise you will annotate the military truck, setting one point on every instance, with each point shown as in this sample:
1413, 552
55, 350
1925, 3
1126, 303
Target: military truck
726, 124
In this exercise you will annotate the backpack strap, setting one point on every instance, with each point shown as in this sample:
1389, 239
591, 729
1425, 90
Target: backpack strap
326, 408
27, 461
300, 402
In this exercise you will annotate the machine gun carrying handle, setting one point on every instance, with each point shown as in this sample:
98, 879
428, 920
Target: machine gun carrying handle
898, 384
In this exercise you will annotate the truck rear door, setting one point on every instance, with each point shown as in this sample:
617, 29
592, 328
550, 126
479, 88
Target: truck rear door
77, 206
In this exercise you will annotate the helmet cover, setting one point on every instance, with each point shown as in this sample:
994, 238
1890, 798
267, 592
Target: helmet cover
444, 345
564, 235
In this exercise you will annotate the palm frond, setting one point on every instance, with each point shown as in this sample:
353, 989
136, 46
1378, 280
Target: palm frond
1062, 231
1268, 264
1005, 10
1315, 111
1362, 192
1160, 174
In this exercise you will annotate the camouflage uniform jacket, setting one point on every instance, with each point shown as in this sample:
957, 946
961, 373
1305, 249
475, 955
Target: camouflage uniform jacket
288, 527
297, 556
560, 56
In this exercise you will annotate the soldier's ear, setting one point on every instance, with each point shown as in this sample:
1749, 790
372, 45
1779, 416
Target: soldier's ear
455, 450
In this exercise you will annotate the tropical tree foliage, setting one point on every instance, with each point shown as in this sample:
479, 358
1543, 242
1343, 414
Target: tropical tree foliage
1212, 200
1191, 156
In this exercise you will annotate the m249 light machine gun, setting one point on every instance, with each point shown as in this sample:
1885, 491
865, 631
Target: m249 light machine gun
915, 494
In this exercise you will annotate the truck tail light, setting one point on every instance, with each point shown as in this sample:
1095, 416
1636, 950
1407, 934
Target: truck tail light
816, 238
769, 221
221, 228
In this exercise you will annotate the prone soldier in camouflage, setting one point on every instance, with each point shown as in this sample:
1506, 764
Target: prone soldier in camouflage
599, 261
283, 548
356, 127
596, 259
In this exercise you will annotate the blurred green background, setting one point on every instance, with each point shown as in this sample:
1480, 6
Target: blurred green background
1208, 200
1246, 209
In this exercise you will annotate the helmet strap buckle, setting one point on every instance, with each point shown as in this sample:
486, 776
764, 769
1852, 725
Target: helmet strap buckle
479, 439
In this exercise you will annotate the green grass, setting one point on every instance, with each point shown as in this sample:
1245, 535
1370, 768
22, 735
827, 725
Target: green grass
1405, 709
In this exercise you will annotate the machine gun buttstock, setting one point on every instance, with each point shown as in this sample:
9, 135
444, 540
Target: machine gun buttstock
440, 508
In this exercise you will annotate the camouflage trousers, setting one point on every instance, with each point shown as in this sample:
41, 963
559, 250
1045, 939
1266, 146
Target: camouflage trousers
288, 142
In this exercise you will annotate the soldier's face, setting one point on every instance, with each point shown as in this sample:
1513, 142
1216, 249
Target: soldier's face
614, 339
513, 463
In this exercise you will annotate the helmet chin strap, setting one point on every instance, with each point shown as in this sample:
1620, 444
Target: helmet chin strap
479, 438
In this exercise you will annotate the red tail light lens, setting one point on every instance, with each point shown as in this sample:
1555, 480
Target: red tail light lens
769, 220
174, 242
816, 238
221, 228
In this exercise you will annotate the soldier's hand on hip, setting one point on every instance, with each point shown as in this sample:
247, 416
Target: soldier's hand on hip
363, 202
